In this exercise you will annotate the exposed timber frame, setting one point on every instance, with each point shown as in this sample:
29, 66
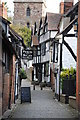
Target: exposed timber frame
70, 50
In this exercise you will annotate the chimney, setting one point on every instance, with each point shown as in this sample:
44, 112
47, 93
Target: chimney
62, 8
3, 4
66, 5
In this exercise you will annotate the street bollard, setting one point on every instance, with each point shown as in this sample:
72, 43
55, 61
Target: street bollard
41, 88
34, 87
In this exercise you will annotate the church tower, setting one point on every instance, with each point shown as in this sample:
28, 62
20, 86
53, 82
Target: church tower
27, 12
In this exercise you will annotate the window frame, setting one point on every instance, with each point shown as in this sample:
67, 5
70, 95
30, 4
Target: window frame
28, 12
55, 54
43, 49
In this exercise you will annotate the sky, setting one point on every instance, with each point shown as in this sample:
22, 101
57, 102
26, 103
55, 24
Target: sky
52, 5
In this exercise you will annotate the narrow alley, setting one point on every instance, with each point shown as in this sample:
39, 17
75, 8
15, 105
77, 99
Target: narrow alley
39, 59
43, 105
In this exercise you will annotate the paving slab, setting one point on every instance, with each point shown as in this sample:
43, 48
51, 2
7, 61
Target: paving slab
43, 105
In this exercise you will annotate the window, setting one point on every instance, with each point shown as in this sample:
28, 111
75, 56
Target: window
46, 69
43, 49
38, 51
6, 61
28, 11
34, 52
28, 25
47, 46
41, 31
55, 56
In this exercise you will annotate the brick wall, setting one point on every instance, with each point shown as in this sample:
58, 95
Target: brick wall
3, 10
52, 80
78, 62
0, 74
65, 6
13, 80
62, 7
29, 73
6, 88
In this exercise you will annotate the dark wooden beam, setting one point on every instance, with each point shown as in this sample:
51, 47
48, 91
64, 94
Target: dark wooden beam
53, 52
60, 57
69, 35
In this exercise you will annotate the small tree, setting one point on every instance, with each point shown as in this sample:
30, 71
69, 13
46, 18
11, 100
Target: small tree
22, 74
24, 32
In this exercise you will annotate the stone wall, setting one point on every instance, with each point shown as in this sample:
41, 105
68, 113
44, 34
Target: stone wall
20, 16
29, 73
13, 79
8, 86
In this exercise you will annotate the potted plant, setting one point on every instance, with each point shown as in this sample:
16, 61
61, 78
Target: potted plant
22, 74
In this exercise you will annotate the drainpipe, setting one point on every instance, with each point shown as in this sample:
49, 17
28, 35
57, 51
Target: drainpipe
60, 65
16, 62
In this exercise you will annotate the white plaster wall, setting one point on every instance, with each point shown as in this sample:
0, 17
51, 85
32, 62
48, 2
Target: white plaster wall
64, 22
53, 33
16, 91
61, 25
45, 57
34, 59
47, 36
58, 67
44, 37
29, 64
34, 73
67, 59
47, 46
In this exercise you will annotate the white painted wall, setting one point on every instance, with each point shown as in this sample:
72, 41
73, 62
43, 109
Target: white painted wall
34, 59
34, 73
53, 34
47, 36
44, 37
29, 63
57, 66
67, 59
16, 80
46, 57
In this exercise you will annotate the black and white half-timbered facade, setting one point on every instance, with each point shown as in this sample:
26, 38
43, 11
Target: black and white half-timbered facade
36, 56
65, 45
43, 57
56, 42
